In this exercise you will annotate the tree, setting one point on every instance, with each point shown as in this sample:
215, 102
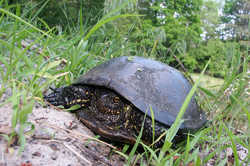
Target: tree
210, 19
181, 20
236, 16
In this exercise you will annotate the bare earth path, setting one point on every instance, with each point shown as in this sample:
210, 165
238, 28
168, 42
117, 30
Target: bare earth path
56, 141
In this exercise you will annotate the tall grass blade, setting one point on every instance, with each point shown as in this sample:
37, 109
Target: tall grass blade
25, 22
39, 10
175, 127
104, 21
243, 108
132, 153
153, 123
207, 92
231, 136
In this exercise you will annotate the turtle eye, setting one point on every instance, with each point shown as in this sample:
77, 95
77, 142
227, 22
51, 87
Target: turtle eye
116, 99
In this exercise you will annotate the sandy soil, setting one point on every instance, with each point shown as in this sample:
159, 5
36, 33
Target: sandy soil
58, 140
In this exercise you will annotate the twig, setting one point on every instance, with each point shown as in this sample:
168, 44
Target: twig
75, 134
77, 154
71, 149
182, 66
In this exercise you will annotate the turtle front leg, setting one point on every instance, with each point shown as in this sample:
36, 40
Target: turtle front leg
69, 96
56, 97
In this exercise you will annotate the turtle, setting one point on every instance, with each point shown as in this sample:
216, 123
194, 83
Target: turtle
117, 98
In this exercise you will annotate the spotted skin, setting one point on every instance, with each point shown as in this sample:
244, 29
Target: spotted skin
107, 113
69, 96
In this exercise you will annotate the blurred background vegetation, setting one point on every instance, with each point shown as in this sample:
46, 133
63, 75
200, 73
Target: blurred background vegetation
192, 31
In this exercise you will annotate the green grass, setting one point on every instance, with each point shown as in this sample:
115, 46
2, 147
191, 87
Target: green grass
55, 59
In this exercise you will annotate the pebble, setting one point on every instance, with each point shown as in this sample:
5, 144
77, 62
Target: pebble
38, 154
54, 156
70, 125
54, 147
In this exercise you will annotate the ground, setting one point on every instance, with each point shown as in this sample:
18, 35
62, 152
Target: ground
59, 139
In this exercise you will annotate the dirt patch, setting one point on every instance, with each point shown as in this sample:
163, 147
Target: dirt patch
59, 139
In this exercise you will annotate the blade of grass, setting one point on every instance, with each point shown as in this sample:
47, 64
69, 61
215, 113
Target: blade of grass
187, 149
243, 108
102, 22
25, 22
131, 154
15, 102
152, 152
116, 10
231, 136
122, 154
198, 161
153, 122
81, 19
39, 10
176, 125
207, 92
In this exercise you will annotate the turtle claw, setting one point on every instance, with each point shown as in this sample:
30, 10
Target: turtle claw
53, 89
55, 98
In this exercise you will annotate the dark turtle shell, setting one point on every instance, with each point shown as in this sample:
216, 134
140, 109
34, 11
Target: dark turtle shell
148, 83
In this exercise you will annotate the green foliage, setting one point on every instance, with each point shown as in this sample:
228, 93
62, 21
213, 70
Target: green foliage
213, 49
147, 39
166, 26
236, 17
210, 19
180, 20
63, 13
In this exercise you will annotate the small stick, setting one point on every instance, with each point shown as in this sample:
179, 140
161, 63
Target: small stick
182, 66
75, 134
77, 154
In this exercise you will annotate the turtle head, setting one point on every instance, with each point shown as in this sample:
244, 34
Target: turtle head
69, 96
109, 102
